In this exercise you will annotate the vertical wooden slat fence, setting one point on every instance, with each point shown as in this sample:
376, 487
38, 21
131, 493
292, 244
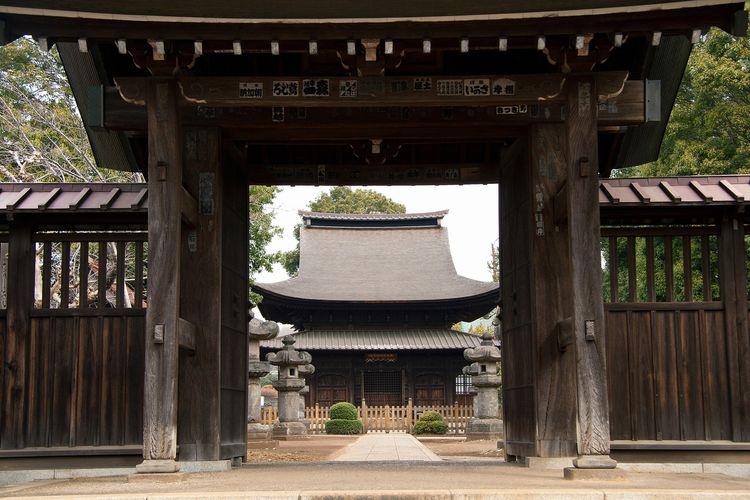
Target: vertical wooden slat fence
383, 419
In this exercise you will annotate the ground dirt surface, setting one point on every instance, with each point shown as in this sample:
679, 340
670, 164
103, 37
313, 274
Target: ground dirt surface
314, 449
370, 478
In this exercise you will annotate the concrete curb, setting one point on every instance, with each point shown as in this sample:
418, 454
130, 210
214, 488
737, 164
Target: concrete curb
518, 494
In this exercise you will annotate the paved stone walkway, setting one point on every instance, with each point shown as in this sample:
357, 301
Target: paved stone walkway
387, 448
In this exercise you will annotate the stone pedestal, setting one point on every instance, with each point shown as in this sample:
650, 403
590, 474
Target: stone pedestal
256, 369
486, 423
289, 385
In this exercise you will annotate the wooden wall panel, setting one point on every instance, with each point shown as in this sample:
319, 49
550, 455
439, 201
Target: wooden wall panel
689, 375
618, 377
64, 375
668, 375
112, 402
88, 388
135, 355
85, 381
39, 383
715, 377
665, 376
642, 375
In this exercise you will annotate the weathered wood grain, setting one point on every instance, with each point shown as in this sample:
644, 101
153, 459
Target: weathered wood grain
199, 409
583, 217
20, 299
551, 300
234, 300
164, 238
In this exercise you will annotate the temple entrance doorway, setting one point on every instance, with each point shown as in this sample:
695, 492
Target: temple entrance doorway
382, 387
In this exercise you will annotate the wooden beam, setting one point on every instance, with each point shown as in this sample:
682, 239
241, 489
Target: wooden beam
187, 333
295, 123
668, 20
366, 175
513, 92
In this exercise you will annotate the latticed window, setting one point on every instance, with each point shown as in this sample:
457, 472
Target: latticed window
463, 384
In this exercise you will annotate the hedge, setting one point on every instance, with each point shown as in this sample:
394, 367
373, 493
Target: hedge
339, 426
343, 411
431, 422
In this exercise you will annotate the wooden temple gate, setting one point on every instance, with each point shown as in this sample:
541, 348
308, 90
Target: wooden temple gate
207, 99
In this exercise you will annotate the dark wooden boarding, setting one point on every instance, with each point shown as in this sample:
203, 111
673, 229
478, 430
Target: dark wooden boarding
675, 371
543, 97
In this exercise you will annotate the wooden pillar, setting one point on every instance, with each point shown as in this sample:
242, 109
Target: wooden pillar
734, 294
164, 238
21, 257
199, 394
586, 287
555, 398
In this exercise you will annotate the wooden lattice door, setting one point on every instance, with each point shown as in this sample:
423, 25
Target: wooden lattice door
383, 388
331, 389
429, 390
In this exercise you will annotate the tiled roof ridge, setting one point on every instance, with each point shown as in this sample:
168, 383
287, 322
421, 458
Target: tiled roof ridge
374, 216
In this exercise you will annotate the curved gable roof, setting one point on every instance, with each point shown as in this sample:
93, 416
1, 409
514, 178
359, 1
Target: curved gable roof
376, 264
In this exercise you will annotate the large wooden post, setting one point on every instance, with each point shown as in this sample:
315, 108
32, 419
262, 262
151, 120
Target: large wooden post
200, 299
586, 287
162, 316
553, 313
21, 257
734, 294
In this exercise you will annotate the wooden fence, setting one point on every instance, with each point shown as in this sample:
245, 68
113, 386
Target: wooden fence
383, 418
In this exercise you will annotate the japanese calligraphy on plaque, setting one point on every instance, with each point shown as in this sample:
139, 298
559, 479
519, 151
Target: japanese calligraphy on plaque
512, 109
316, 87
348, 88
503, 86
251, 90
477, 87
450, 87
422, 84
285, 88
539, 210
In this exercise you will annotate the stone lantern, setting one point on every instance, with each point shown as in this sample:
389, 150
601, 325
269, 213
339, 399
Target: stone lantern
472, 370
304, 372
289, 384
256, 369
486, 423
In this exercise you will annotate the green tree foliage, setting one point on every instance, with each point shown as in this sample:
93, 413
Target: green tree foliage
493, 265
345, 200
42, 138
682, 257
342, 200
709, 129
262, 229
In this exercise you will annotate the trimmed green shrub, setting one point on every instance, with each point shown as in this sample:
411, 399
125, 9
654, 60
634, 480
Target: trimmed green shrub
431, 422
343, 411
339, 426
431, 416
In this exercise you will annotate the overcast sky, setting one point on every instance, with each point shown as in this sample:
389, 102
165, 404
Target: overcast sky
472, 221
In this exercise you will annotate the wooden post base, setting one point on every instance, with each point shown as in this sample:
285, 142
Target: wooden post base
594, 462
157, 466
